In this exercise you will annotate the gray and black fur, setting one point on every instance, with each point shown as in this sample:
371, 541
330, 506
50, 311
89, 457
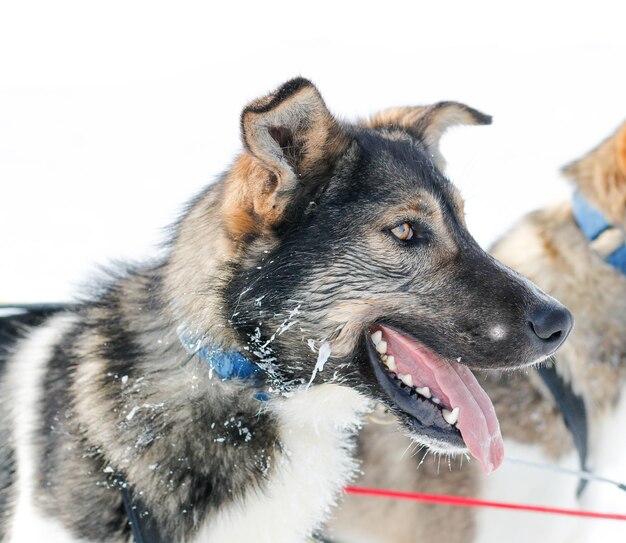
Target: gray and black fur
291, 248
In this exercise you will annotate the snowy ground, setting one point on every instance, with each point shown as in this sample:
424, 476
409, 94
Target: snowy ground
111, 117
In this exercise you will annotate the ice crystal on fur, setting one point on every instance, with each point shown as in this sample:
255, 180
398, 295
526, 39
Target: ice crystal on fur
322, 357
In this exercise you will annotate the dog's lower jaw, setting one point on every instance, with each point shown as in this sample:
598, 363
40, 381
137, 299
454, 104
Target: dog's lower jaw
316, 429
438, 447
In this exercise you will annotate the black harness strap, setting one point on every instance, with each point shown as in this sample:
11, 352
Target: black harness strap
574, 413
142, 524
131, 513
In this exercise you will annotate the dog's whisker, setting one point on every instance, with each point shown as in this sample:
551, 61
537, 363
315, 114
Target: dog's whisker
408, 447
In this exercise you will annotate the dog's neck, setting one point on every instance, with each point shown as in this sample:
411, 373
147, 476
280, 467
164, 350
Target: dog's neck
606, 239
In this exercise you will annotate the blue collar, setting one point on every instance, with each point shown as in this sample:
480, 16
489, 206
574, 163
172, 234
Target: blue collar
593, 223
227, 364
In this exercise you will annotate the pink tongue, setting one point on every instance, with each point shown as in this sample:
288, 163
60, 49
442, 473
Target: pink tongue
456, 386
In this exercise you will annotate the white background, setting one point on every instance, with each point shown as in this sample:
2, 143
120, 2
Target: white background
113, 114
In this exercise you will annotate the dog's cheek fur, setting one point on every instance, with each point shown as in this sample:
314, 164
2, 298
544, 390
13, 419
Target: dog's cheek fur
286, 303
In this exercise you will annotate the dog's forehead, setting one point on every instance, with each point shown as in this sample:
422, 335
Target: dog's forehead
397, 169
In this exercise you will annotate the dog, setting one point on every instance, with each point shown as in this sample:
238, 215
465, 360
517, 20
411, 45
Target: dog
214, 395
576, 251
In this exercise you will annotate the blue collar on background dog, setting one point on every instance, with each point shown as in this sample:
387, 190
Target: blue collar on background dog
227, 364
593, 223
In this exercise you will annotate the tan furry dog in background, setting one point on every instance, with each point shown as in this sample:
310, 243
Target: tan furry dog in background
549, 247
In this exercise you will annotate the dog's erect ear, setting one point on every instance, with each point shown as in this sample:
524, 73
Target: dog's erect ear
291, 129
601, 176
428, 123
291, 139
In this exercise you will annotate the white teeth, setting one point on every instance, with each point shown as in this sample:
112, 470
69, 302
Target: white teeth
391, 363
436, 400
377, 336
381, 347
424, 391
451, 416
407, 380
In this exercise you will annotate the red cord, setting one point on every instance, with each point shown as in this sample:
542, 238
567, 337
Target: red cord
473, 502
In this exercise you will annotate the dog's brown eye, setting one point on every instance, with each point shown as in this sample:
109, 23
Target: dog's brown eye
403, 231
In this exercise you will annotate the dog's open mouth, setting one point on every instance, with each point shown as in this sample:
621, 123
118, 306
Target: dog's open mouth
442, 397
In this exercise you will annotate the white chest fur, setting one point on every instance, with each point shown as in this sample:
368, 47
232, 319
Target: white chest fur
316, 464
24, 391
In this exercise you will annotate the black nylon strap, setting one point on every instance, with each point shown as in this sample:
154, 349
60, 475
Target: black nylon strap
574, 414
142, 524
131, 513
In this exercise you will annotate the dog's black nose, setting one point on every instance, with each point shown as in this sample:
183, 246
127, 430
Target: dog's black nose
550, 326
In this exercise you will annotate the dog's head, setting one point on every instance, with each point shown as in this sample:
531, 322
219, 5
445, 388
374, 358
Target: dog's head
600, 176
351, 263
